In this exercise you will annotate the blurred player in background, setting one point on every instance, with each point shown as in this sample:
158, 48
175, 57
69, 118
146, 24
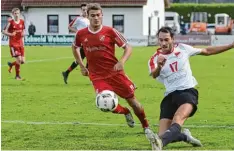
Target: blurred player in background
170, 65
105, 71
77, 24
15, 30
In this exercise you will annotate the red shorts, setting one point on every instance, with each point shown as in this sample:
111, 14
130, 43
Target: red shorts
17, 51
119, 83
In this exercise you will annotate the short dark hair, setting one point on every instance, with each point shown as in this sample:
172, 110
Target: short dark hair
83, 5
166, 30
93, 6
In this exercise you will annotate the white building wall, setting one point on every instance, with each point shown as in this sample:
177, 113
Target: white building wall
148, 11
133, 19
39, 18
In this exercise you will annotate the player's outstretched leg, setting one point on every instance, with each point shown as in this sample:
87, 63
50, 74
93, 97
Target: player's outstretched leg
140, 113
190, 139
124, 110
10, 65
66, 73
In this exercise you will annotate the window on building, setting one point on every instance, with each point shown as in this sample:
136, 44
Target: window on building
118, 22
71, 18
169, 18
52, 24
4, 21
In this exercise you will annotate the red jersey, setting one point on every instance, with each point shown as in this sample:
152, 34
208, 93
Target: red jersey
16, 40
99, 48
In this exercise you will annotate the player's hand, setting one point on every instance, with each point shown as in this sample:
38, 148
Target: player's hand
161, 61
118, 66
13, 34
84, 71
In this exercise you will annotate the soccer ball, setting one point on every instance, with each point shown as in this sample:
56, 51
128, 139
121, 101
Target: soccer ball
106, 101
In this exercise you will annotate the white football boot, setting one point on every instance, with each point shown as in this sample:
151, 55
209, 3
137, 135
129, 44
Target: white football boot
154, 140
190, 139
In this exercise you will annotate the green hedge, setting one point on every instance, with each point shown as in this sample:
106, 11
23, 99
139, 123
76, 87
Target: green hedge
185, 9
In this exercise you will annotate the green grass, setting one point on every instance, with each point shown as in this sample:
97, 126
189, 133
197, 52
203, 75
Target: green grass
43, 97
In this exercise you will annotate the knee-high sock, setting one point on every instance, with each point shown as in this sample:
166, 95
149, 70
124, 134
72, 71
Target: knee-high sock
121, 110
142, 117
17, 69
172, 134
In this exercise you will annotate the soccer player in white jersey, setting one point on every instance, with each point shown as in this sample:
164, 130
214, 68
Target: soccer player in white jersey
170, 65
78, 23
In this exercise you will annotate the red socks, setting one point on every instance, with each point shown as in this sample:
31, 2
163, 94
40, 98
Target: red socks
121, 110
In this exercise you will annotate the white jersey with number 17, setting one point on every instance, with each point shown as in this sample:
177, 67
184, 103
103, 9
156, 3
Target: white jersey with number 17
176, 73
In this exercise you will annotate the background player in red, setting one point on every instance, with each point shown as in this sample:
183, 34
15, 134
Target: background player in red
104, 70
15, 29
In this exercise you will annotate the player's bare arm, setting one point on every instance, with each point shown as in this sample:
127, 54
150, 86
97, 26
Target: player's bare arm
5, 32
72, 29
216, 49
76, 53
127, 53
160, 63
23, 33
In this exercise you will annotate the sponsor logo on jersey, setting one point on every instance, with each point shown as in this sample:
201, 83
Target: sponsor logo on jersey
102, 38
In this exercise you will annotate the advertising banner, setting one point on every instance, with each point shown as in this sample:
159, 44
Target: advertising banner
66, 40
203, 40
217, 40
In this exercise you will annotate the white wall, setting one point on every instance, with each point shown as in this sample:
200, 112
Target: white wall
133, 19
148, 10
133, 24
39, 18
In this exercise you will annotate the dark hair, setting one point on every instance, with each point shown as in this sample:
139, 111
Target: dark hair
166, 30
93, 6
83, 5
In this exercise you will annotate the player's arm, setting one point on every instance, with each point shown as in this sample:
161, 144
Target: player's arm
127, 53
23, 33
76, 54
5, 31
155, 72
216, 49
120, 40
71, 26
72, 29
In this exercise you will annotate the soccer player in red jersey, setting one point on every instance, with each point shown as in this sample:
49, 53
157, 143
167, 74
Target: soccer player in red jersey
105, 71
15, 29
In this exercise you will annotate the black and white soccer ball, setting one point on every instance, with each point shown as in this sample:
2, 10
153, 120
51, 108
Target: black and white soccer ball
106, 101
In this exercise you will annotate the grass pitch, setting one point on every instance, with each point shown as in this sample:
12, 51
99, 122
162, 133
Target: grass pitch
54, 110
